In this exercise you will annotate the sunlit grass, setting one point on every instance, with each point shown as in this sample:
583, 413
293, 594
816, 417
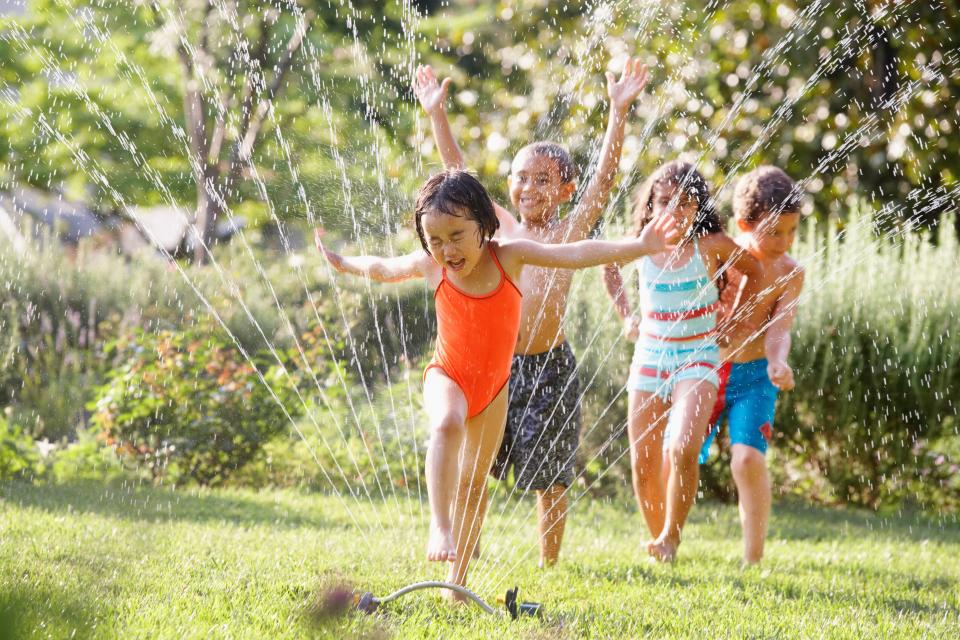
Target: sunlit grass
94, 561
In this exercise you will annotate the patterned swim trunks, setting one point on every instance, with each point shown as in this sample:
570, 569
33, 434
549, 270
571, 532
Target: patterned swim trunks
543, 421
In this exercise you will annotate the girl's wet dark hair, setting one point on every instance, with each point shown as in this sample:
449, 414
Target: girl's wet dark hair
456, 193
684, 176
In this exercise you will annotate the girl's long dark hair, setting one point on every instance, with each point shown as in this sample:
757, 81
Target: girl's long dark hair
685, 177
456, 193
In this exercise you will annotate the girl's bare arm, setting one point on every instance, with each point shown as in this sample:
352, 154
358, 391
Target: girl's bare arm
656, 237
613, 282
394, 269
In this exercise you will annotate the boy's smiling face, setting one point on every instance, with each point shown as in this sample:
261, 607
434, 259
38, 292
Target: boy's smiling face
772, 235
536, 188
454, 241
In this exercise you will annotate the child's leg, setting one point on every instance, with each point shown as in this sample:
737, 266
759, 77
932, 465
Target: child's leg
446, 409
480, 446
647, 414
552, 512
749, 468
692, 404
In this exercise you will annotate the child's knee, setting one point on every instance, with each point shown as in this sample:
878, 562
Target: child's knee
747, 463
449, 425
683, 453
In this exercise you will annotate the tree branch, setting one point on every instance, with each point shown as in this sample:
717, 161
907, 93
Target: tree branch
251, 130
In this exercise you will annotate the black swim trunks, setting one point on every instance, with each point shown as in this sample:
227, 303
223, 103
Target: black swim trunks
543, 421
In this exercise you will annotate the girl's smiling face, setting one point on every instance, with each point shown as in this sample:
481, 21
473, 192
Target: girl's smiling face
668, 199
454, 241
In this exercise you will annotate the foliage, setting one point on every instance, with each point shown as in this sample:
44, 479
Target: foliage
18, 455
187, 405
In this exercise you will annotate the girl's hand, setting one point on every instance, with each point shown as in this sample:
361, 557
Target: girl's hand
430, 94
624, 91
781, 375
631, 328
660, 234
336, 260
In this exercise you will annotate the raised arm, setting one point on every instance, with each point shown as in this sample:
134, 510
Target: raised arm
622, 93
433, 97
656, 237
776, 340
413, 265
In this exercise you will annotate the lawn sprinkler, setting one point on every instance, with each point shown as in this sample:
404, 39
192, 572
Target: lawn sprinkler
368, 603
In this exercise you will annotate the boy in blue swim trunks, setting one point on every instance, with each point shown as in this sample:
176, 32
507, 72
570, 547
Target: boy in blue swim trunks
754, 337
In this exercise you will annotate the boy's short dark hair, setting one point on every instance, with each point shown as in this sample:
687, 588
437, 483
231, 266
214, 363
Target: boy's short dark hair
456, 193
559, 154
765, 190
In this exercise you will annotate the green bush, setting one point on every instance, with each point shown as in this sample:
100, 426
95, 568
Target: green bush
186, 405
18, 455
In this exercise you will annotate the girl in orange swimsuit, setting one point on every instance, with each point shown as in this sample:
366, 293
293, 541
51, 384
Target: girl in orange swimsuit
478, 317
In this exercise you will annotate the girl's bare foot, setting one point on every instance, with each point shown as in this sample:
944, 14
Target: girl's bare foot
440, 547
454, 597
663, 549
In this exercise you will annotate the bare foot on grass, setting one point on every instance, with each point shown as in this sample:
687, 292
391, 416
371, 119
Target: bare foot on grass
440, 547
663, 549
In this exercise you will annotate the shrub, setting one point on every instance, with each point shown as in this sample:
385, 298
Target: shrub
18, 455
186, 405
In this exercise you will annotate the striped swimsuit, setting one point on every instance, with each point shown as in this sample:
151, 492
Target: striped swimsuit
677, 339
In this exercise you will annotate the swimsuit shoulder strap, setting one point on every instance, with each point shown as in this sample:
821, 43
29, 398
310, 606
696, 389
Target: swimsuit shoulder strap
503, 274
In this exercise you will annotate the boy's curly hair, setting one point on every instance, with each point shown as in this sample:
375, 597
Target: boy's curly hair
559, 154
684, 176
456, 193
764, 191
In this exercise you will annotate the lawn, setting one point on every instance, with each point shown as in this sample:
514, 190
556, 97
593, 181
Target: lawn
94, 561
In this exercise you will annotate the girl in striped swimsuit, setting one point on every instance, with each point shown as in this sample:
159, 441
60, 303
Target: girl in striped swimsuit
673, 376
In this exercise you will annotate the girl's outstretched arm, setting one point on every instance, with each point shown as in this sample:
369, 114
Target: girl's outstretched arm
433, 96
622, 93
413, 265
776, 340
656, 237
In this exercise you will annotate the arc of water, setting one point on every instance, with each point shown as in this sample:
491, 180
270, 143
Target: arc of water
99, 176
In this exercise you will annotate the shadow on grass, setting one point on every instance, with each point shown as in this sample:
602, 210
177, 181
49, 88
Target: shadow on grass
144, 503
30, 612
794, 521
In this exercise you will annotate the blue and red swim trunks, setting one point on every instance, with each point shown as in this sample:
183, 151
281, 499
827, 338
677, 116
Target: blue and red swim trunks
748, 400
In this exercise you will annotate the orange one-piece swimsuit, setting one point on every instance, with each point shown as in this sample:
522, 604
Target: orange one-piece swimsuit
476, 338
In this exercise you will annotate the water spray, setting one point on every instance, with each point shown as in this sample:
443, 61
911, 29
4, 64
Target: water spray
369, 603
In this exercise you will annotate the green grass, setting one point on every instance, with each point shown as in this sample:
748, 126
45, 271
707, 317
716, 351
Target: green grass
93, 561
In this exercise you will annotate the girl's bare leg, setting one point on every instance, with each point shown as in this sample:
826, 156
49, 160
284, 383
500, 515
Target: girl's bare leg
446, 409
749, 468
692, 403
481, 443
647, 420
